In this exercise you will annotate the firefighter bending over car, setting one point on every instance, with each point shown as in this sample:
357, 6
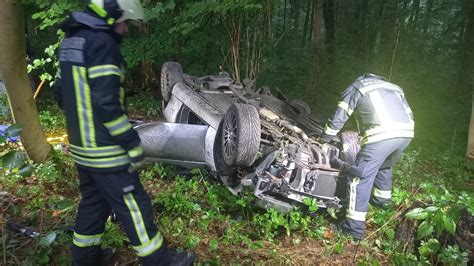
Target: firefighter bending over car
386, 123
104, 146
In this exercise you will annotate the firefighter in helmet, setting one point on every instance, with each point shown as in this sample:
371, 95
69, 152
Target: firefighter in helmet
104, 146
386, 125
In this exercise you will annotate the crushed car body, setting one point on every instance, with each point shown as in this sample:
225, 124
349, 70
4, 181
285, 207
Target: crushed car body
248, 139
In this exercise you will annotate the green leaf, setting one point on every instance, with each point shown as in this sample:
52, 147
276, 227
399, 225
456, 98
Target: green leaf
13, 130
36, 15
37, 63
449, 225
65, 205
2, 139
332, 212
424, 229
417, 214
14, 159
378, 243
213, 245
47, 240
431, 209
429, 247
26, 170
46, 76
169, 4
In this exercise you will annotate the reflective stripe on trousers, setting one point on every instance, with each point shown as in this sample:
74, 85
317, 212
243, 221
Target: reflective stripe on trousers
122, 192
373, 165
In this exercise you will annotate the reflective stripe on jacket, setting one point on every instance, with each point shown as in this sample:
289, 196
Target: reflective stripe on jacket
380, 107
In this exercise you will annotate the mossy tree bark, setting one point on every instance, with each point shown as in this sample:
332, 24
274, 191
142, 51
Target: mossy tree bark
13, 70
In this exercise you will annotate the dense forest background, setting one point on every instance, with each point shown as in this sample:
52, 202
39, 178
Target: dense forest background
308, 49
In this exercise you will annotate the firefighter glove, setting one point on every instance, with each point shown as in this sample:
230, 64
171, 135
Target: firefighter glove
340, 164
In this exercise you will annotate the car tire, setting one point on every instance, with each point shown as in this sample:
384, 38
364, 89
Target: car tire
171, 74
241, 135
350, 146
300, 106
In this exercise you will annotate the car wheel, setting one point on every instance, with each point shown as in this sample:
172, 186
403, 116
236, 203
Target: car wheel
300, 106
350, 146
241, 135
171, 73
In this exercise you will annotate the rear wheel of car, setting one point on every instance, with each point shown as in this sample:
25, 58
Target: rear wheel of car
171, 74
241, 135
350, 146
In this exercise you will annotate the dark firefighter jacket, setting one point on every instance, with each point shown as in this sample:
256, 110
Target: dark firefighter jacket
100, 135
381, 110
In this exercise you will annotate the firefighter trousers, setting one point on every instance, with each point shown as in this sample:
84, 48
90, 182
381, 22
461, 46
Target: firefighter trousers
370, 179
123, 193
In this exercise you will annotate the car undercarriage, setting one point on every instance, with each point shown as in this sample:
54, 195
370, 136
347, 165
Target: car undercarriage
248, 139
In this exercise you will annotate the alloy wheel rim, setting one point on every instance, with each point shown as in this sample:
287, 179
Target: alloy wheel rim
230, 135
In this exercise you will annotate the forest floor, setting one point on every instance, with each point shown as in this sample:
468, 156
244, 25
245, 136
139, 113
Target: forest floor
196, 212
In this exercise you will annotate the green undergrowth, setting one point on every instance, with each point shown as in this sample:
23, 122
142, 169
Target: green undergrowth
432, 193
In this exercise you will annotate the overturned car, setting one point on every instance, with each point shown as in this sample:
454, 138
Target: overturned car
248, 139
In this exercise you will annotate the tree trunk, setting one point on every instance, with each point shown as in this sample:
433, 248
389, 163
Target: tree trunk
328, 14
374, 31
314, 88
427, 18
360, 37
389, 34
284, 18
317, 22
306, 22
470, 141
310, 38
415, 12
466, 73
296, 17
13, 69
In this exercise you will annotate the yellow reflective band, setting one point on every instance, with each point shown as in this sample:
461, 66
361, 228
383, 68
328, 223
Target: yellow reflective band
103, 67
135, 152
88, 101
79, 103
118, 126
385, 85
110, 21
330, 131
384, 194
355, 215
410, 126
86, 240
84, 107
136, 217
388, 135
101, 162
103, 70
353, 193
149, 247
97, 151
98, 10
121, 130
122, 98
380, 110
346, 108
